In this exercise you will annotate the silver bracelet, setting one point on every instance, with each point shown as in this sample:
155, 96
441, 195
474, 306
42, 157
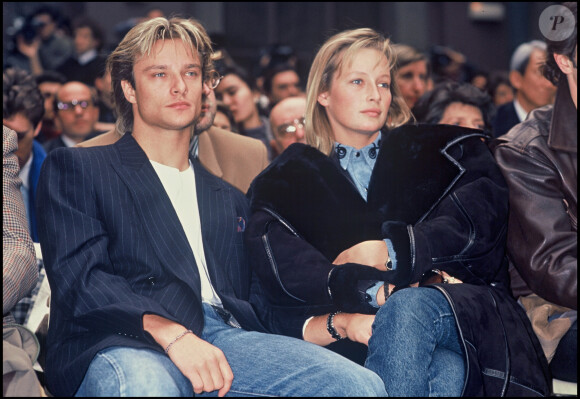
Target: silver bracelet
177, 339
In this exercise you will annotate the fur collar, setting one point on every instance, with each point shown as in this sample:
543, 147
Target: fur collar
416, 166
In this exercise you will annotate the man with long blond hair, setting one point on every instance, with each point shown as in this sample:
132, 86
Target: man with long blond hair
144, 252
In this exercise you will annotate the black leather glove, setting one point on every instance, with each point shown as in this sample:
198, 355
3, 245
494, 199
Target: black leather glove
348, 283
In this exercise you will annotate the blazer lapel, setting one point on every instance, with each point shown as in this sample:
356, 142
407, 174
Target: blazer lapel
217, 224
157, 215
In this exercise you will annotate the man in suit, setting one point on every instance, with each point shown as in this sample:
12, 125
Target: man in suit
23, 112
77, 112
287, 121
86, 64
533, 90
144, 252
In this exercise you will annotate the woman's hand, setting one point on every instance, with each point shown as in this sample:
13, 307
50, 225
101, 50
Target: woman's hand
371, 253
355, 326
449, 279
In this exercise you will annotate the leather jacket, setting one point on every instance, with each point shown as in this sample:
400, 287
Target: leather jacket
538, 159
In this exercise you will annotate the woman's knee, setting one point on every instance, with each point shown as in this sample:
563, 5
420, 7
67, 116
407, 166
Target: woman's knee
354, 380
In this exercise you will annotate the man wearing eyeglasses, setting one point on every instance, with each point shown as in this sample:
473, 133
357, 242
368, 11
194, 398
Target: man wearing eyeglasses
287, 120
77, 111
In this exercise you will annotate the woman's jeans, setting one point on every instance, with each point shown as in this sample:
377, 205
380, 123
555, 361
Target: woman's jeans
263, 365
415, 345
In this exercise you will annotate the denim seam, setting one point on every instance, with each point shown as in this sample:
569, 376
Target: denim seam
118, 371
233, 391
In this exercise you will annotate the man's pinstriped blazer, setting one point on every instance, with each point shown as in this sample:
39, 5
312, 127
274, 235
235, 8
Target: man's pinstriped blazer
114, 250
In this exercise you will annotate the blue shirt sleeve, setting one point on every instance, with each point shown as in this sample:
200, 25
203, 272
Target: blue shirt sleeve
372, 291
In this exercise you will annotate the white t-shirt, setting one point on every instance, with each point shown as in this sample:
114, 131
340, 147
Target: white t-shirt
180, 187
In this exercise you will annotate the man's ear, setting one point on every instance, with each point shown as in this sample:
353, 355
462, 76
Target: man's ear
564, 63
37, 129
128, 91
516, 79
323, 99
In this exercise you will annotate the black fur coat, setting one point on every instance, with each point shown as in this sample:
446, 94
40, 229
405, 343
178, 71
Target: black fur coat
437, 193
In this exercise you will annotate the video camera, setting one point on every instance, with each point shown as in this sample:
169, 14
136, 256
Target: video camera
30, 29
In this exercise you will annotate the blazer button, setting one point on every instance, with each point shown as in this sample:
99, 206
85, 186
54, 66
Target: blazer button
152, 280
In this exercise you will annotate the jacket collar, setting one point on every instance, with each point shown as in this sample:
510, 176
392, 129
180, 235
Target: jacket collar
564, 123
402, 184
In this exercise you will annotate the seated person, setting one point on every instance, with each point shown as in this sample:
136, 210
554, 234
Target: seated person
413, 73
48, 84
19, 275
363, 211
23, 112
539, 160
499, 88
224, 119
281, 81
532, 89
87, 63
239, 92
460, 104
77, 111
287, 120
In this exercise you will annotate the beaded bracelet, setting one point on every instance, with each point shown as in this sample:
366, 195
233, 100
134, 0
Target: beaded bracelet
177, 339
330, 326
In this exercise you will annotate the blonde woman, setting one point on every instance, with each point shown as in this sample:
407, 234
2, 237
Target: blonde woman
340, 226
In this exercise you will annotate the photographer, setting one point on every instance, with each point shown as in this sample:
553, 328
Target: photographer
39, 44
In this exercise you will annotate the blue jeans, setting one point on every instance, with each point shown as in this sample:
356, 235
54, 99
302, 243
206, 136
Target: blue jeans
415, 345
263, 365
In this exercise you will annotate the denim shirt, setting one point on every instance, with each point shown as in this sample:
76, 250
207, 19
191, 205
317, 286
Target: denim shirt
359, 164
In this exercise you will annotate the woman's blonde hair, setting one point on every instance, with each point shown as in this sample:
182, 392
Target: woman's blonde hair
139, 42
338, 51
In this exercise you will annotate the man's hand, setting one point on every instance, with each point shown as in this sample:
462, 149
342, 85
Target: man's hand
371, 253
30, 50
202, 363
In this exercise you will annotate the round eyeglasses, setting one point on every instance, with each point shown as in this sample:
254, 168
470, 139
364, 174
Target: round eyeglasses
69, 106
291, 127
214, 79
